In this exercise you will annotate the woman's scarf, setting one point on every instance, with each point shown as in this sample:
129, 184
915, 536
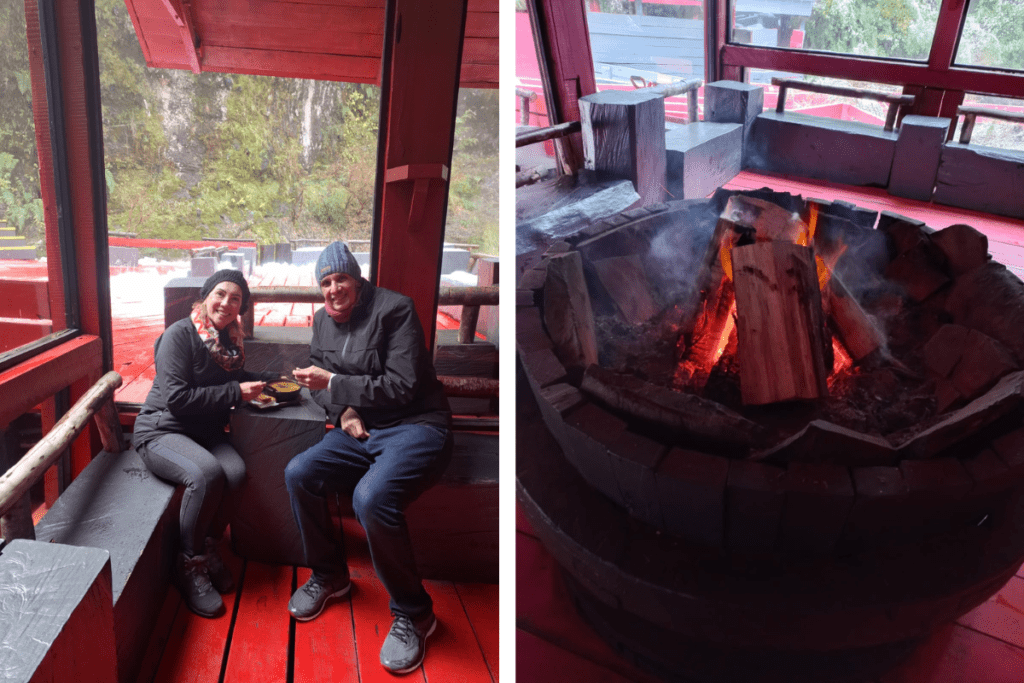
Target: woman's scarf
225, 345
337, 316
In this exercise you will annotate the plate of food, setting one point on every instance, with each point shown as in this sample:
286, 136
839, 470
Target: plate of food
264, 401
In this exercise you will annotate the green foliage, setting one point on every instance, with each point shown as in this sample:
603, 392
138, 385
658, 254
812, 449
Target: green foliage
883, 28
992, 34
20, 201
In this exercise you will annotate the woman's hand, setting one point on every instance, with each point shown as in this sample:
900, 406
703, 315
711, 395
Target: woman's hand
352, 424
251, 390
312, 377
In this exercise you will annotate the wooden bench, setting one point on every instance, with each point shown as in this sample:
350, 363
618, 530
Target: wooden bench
116, 504
847, 152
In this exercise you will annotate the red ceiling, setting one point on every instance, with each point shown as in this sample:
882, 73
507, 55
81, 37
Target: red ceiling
322, 39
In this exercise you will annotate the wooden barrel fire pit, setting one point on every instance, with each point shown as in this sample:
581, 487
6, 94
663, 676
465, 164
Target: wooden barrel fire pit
723, 548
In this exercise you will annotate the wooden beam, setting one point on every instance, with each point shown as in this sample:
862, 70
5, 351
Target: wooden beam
419, 92
181, 14
566, 67
947, 34
30, 383
1003, 84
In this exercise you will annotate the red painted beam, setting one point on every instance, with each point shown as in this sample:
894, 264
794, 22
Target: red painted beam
1003, 84
417, 130
947, 31
566, 65
28, 384
181, 15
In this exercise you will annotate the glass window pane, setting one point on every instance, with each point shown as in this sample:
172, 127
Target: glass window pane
897, 29
992, 35
25, 314
473, 194
991, 132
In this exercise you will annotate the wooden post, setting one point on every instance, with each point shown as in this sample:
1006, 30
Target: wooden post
779, 320
624, 137
567, 312
16, 522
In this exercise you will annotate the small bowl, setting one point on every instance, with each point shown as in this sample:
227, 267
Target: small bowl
283, 390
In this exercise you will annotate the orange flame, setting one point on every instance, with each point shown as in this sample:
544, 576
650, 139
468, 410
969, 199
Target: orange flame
842, 358
726, 333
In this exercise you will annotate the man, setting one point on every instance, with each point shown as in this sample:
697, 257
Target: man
373, 375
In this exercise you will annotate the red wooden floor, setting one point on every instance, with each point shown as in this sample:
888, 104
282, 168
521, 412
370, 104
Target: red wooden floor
256, 641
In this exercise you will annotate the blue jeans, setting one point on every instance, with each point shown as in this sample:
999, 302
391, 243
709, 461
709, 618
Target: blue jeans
383, 474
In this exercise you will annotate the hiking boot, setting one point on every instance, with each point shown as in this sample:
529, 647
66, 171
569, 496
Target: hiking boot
195, 586
309, 600
220, 576
406, 644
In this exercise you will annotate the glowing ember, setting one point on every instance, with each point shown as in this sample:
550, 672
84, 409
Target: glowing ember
842, 359
727, 330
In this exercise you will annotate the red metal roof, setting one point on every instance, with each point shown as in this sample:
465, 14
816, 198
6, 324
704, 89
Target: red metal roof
337, 40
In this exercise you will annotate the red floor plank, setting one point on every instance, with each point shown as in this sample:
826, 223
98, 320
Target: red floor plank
453, 653
325, 648
1002, 615
161, 635
543, 608
481, 603
372, 619
259, 643
195, 648
538, 661
959, 655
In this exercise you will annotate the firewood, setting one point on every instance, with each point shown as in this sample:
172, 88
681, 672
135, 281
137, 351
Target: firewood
1004, 397
623, 277
856, 330
920, 270
771, 221
779, 320
983, 362
824, 442
990, 299
965, 248
709, 276
680, 412
567, 313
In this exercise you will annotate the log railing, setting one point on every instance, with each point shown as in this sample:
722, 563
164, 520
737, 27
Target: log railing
970, 113
525, 97
894, 101
97, 403
470, 298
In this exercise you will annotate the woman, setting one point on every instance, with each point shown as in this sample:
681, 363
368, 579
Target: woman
180, 435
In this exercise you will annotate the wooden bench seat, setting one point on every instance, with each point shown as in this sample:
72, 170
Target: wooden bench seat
116, 504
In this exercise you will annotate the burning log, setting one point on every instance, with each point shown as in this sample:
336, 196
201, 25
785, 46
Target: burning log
624, 279
677, 411
782, 346
855, 328
567, 312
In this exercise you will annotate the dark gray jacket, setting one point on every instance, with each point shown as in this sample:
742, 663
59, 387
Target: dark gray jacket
191, 394
383, 368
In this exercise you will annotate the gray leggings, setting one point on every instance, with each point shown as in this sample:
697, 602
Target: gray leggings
205, 474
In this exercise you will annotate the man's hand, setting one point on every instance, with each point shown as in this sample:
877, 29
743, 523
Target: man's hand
352, 424
251, 390
312, 377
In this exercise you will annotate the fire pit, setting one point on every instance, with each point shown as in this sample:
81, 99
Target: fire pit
784, 444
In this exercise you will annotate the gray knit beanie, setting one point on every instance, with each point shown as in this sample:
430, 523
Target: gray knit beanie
336, 258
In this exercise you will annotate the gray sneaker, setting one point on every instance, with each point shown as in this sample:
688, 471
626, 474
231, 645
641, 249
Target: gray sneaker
406, 644
309, 600
194, 582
